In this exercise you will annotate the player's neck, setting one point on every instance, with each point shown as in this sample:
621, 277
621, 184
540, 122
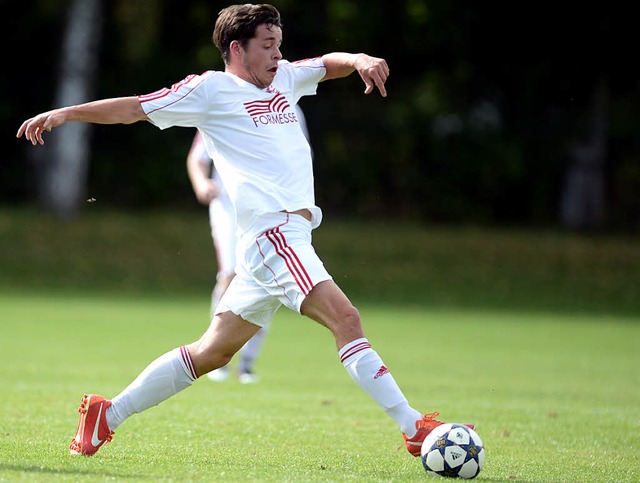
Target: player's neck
243, 75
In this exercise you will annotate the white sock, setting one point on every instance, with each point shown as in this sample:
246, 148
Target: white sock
369, 372
166, 376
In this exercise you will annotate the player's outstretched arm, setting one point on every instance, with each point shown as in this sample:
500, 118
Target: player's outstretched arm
119, 110
373, 70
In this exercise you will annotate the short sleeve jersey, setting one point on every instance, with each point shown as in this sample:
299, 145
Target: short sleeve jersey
253, 135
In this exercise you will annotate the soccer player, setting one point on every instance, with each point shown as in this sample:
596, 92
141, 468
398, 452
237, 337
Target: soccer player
209, 190
247, 118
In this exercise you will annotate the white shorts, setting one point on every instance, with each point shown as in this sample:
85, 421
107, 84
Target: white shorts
223, 232
277, 266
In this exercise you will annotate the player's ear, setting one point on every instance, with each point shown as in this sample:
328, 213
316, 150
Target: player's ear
235, 47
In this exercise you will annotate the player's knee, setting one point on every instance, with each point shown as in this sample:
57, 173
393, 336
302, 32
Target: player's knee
351, 317
349, 323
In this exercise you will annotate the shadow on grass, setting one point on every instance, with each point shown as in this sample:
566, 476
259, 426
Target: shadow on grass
65, 471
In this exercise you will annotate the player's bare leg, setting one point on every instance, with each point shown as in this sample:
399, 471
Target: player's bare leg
224, 337
247, 357
329, 306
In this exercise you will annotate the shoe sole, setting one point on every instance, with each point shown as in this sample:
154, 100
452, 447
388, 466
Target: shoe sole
84, 405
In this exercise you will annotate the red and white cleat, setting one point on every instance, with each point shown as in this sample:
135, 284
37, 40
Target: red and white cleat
424, 427
93, 430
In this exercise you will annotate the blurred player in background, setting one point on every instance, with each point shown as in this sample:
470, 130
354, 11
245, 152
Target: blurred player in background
247, 117
210, 191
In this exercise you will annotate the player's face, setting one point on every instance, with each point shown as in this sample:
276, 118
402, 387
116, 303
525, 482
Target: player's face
259, 61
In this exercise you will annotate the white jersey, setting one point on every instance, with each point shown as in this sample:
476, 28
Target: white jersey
253, 135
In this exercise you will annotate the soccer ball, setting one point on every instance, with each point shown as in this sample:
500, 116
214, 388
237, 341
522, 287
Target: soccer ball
453, 450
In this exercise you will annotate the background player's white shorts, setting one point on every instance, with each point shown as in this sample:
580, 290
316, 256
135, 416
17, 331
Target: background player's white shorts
223, 232
277, 265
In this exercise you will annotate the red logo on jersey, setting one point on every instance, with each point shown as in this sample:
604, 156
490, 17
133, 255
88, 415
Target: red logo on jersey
271, 111
277, 103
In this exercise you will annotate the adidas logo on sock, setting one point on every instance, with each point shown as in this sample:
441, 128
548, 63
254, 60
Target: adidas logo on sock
381, 372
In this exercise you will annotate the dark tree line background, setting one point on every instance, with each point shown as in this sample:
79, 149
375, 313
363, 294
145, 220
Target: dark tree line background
498, 112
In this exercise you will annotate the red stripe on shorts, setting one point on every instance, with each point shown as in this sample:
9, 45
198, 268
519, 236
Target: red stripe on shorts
292, 261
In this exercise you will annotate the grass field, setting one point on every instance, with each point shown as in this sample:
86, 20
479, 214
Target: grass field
556, 396
533, 335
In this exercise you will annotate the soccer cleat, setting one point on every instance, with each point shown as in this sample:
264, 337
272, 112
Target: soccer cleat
247, 378
93, 430
424, 426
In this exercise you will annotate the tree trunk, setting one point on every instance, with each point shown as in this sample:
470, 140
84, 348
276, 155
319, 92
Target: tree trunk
583, 196
64, 173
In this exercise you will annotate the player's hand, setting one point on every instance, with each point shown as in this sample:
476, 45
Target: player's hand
374, 72
34, 127
206, 191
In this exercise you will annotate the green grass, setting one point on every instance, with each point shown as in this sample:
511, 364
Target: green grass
532, 334
432, 266
556, 396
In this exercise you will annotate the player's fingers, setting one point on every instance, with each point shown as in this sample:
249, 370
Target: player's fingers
385, 68
368, 88
41, 124
382, 89
29, 130
29, 133
37, 136
20, 132
379, 81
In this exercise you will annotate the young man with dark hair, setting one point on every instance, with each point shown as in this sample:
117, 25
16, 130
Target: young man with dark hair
246, 116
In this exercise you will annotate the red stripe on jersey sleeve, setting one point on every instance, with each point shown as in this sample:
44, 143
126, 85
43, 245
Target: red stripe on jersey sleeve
165, 92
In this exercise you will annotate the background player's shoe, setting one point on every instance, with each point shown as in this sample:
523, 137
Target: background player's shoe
247, 377
424, 427
219, 375
93, 430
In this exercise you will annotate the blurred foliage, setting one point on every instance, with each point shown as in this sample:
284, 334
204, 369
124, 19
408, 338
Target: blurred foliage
484, 98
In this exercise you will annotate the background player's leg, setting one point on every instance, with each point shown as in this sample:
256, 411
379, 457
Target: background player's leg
248, 355
223, 281
223, 227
